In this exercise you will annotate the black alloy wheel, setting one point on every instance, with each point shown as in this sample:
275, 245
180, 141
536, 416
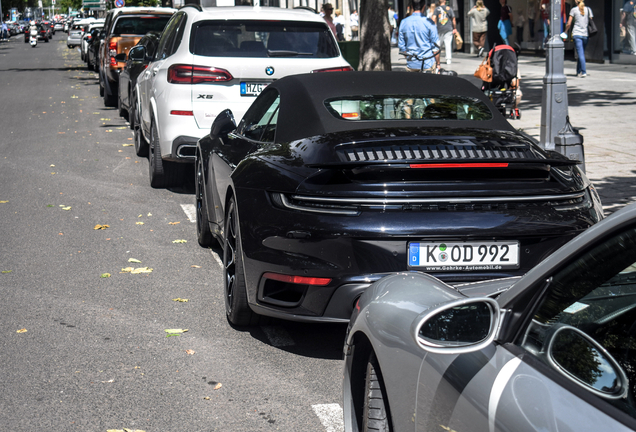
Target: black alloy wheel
236, 308
204, 235
375, 416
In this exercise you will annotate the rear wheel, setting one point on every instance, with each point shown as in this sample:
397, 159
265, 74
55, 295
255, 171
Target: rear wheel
375, 416
203, 225
236, 307
110, 100
101, 88
122, 112
162, 173
141, 145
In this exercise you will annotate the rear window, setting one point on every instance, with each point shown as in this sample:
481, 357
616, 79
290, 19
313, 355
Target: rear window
263, 39
140, 25
409, 107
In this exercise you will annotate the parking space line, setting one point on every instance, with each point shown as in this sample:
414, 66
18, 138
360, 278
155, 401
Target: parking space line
278, 336
190, 211
330, 416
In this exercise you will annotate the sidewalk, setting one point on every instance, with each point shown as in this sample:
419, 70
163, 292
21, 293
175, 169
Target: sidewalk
601, 106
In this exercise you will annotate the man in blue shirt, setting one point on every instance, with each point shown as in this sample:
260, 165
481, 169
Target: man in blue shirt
418, 35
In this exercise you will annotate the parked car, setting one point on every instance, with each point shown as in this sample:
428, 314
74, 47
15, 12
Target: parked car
331, 181
76, 33
92, 49
138, 59
215, 58
551, 351
123, 28
50, 25
88, 34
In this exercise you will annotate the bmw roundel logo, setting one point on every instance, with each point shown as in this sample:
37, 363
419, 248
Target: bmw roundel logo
269, 70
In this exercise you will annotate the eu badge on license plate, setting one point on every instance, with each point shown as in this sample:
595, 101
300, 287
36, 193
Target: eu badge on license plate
252, 89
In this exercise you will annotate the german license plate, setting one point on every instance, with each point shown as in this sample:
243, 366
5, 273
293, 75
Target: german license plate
464, 256
252, 89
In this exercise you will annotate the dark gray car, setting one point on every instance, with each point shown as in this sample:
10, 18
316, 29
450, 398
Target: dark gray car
554, 350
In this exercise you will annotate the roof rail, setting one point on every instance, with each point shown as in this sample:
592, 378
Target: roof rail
194, 5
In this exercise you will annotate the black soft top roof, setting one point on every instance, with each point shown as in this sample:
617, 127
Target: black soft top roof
303, 112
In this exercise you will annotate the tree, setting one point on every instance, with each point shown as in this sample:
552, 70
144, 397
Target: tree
375, 36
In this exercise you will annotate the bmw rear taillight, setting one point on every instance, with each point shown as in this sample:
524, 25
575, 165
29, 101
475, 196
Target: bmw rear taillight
190, 74
336, 69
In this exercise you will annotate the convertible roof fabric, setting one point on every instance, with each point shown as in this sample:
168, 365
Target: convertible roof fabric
303, 112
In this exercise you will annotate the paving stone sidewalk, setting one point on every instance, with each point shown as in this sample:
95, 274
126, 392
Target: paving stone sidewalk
602, 106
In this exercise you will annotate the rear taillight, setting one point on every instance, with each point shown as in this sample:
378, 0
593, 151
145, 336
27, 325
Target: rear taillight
182, 113
112, 52
300, 280
336, 69
189, 74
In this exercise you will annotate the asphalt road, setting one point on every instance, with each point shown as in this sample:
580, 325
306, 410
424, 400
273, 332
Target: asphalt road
95, 354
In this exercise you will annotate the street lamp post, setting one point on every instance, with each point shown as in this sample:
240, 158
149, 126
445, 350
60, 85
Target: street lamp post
554, 103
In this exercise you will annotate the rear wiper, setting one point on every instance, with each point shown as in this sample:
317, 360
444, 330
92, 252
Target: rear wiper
286, 53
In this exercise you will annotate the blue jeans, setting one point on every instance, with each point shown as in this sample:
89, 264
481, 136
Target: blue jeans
580, 42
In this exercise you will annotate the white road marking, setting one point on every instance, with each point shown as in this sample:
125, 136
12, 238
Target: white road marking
330, 416
190, 211
217, 258
278, 336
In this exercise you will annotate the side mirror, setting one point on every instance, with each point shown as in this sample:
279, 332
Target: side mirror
137, 53
223, 124
584, 361
459, 326
121, 57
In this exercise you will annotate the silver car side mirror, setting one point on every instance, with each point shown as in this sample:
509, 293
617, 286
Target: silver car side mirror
459, 326
584, 361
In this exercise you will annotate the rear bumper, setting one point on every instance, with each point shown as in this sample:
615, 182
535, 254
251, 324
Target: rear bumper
183, 149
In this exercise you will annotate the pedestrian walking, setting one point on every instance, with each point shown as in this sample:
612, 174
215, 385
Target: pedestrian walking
327, 10
444, 17
545, 18
353, 24
580, 15
339, 22
628, 21
505, 22
418, 36
478, 15
431, 10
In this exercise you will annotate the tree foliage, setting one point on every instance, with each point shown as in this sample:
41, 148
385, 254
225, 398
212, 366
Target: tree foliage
375, 36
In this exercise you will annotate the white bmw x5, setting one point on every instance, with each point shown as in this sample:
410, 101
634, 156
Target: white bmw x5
210, 59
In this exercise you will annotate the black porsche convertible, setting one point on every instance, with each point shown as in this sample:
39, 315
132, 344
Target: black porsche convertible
330, 181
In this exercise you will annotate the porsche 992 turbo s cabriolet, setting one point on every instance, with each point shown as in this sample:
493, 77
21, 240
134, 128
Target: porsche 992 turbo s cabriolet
332, 180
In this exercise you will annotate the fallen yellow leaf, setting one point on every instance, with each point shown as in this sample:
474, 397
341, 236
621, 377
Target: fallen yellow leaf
22, 331
139, 223
126, 145
179, 241
190, 352
7, 271
179, 299
173, 223
4, 202
105, 275
51, 165
207, 398
149, 214
134, 260
141, 270
66, 208
217, 386
127, 270
195, 266
176, 331
101, 227
140, 216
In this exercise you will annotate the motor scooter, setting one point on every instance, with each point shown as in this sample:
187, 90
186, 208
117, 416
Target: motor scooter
33, 37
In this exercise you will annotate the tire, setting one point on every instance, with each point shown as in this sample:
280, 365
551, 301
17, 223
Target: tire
204, 235
163, 174
375, 416
131, 113
110, 100
101, 89
122, 112
46, 40
141, 145
236, 308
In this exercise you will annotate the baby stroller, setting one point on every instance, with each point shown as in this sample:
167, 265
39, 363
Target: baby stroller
504, 88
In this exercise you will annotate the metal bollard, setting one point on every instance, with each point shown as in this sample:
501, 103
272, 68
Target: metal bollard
569, 142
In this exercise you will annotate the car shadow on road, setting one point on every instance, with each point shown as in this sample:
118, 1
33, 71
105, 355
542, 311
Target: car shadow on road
323, 341
616, 192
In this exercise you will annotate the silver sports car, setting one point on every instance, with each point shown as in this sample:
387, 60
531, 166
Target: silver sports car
554, 350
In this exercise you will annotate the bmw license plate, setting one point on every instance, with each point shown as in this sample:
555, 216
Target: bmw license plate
464, 256
252, 88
